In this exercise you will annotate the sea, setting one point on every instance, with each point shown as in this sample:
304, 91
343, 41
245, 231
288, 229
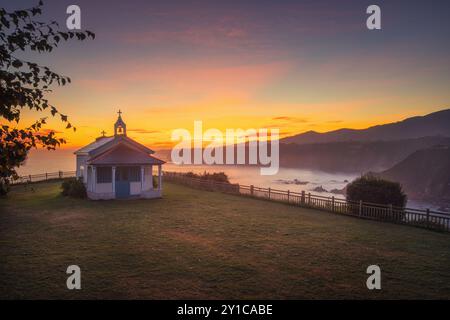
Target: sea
293, 179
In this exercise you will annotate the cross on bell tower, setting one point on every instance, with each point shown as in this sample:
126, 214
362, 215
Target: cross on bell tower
120, 128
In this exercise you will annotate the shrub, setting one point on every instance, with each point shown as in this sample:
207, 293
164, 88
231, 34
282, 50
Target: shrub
216, 176
4, 187
217, 181
369, 188
73, 187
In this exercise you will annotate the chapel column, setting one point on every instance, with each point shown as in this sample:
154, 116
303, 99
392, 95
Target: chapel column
159, 178
89, 178
142, 178
94, 178
150, 185
113, 179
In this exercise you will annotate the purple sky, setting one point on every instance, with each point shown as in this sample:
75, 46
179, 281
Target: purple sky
298, 65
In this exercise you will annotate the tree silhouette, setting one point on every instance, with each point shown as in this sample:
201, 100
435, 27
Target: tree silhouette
23, 84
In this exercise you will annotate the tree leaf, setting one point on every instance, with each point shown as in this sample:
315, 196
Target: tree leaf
17, 64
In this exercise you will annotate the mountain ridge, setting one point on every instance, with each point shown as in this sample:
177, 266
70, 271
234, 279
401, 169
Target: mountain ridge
353, 156
433, 124
424, 174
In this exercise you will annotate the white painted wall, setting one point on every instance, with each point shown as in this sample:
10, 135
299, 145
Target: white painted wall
89, 179
105, 190
148, 184
135, 188
103, 187
81, 167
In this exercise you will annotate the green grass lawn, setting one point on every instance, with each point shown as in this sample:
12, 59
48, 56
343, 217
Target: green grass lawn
196, 244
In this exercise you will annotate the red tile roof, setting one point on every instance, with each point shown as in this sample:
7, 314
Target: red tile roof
123, 154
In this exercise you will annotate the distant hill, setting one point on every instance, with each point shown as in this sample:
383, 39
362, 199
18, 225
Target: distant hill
354, 156
374, 149
433, 124
425, 174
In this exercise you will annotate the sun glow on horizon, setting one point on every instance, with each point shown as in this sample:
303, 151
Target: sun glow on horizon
241, 66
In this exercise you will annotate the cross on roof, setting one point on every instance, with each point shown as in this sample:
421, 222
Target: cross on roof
103, 133
120, 112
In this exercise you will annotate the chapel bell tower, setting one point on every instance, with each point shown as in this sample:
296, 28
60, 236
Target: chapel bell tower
120, 128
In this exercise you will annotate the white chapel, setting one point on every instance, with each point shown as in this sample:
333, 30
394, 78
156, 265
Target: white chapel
119, 167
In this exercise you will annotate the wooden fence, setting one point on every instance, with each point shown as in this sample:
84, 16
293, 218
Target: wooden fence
428, 219
44, 176
420, 218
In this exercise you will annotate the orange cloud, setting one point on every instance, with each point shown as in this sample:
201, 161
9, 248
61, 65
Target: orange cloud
47, 131
144, 131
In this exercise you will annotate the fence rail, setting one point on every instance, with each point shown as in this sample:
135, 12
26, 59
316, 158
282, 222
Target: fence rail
428, 219
44, 176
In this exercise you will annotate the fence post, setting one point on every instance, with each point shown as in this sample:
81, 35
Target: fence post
29, 177
60, 174
269, 192
309, 198
288, 192
391, 212
360, 208
332, 204
251, 190
303, 198
46, 176
428, 218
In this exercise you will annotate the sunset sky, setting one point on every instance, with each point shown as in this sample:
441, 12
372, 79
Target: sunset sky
294, 65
